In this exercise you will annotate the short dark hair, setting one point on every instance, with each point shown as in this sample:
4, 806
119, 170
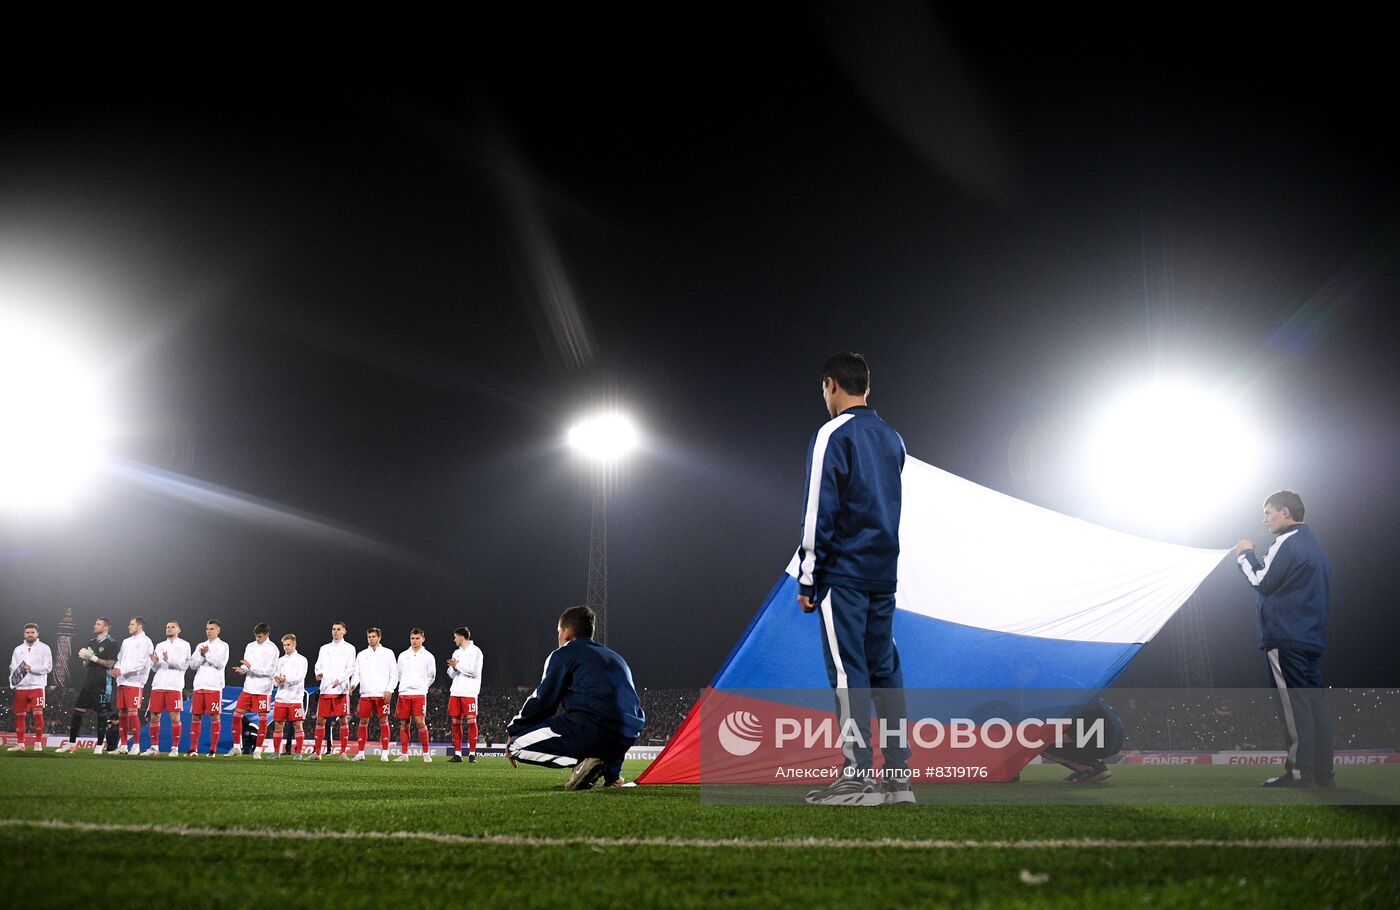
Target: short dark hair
106, 620
464, 632
139, 620
339, 623
417, 631
1287, 499
262, 628
375, 630
214, 622
30, 625
579, 620
850, 371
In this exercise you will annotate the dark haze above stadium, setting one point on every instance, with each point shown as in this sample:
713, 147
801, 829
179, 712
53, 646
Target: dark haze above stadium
343, 320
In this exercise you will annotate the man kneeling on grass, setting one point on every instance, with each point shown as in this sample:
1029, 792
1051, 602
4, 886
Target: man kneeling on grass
601, 714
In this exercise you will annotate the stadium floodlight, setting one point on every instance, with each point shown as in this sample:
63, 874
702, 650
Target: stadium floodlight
52, 430
1170, 446
604, 438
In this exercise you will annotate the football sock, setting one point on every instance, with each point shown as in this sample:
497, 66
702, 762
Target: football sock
456, 734
19, 729
38, 728
277, 742
155, 732
213, 733
320, 735
403, 740
195, 723
176, 728
301, 739
471, 736
344, 734
364, 736
262, 729
423, 738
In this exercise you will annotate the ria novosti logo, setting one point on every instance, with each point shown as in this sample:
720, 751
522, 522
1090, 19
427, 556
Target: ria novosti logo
740, 733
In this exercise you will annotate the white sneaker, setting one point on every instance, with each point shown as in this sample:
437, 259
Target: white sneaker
236, 750
120, 750
67, 748
38, 747
175, 753
257, 755
17, 748
315, 756
384, 755
358, 756
346, 756
402, 757
427, 758
153, 750
99, 749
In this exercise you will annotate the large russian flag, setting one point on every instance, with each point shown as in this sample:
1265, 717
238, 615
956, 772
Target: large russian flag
994, 593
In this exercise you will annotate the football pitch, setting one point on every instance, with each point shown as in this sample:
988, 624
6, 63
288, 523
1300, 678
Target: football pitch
130, 831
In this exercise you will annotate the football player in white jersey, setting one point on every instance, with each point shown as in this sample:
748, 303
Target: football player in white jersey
169, 661
29, 675
258, 665
417, 670
376, 675
335, 669
464, 666
208, 661
289, 705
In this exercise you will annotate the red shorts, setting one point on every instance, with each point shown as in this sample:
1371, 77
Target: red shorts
255, 703
206, 701
332, 705
294, 711
412, 706
163, 700
27, 700
128, 698
371, 707
461, 706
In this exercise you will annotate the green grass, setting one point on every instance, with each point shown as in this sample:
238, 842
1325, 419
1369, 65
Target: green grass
64, 867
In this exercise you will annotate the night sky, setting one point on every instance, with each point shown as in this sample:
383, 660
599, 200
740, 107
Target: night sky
370, 303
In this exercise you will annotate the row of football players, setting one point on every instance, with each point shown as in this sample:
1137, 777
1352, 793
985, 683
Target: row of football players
339, 671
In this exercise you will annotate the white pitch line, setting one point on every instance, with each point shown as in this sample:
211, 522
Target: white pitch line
525, 840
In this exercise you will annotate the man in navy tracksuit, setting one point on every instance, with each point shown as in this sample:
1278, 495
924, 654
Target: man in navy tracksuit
601, 714
1292, 584
848, 571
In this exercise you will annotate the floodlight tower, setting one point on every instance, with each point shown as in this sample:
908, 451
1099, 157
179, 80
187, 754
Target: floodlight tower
603, 442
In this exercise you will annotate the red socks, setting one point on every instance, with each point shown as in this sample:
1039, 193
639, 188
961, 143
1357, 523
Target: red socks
320, 735
471, 736
38, 729
403, 740
262, 729
423, 738
457, 734
20, 726
344, 735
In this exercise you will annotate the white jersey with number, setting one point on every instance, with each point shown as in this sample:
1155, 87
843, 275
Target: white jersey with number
134, 661
376, 672
172, 660
262, 666
417, 670
209, 666
293, 690
40, 660
466, 676
335, 664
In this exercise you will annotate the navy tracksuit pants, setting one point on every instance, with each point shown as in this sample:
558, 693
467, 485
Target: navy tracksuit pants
862, 665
